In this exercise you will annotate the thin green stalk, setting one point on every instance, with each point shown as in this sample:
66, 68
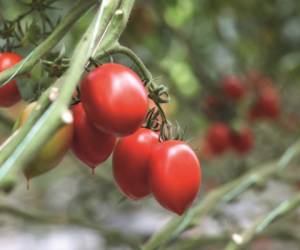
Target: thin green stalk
42, 128
239, 241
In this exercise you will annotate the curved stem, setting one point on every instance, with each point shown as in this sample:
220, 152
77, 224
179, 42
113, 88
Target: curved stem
119, 49
146, 74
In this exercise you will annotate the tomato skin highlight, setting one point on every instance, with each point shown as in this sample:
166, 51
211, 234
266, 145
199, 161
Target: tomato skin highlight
9, 93
131, 162
90, 145
218, 137
175, 175
52, 152
114, 99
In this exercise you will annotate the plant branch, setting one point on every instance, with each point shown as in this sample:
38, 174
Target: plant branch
40, 217
239, 241
41, 124
6, 123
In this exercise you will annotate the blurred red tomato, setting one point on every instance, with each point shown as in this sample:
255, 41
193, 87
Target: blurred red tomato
267, 104
242, 141
233, 87
218, 137
9, 93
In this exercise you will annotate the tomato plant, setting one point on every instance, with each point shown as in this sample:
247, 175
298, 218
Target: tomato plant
52, 152
9, 93
175, 175
90, 145
131, 162
114, 99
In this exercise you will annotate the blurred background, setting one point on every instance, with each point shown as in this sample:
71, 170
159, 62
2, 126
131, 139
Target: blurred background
232, 67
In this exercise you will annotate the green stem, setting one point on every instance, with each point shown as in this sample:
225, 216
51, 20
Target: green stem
38, 129
61, 30
6, 123
239, 241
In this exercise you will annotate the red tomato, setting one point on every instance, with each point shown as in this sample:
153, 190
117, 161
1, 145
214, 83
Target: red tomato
90, 145
9, 93
267, 104
114, 99
233, 87
175, 175
218, 137
131, 162
242, 141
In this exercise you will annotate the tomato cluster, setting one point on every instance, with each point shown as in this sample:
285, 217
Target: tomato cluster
112, 117
220, 138
253, 97
114, 104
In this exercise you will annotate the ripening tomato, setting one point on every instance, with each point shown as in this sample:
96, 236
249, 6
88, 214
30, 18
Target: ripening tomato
242, 141
9, 93
90, 145
175, 175
52, 152
233, 87
218, 137
114, 99
131, 162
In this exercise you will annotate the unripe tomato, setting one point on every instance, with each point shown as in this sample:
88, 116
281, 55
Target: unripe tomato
218, 137
233, 87
90, 145
242, 141
9, 93
131, 162
114, 99
52, 152
175, 175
